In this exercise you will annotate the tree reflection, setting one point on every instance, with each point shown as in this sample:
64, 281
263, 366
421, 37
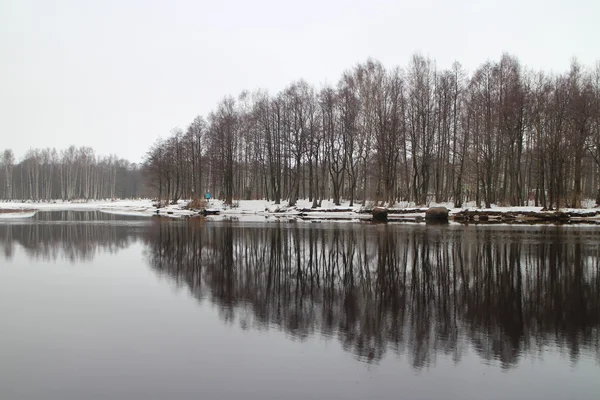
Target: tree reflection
416, 291
74, 236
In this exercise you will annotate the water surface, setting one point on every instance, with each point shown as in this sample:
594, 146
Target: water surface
100, 306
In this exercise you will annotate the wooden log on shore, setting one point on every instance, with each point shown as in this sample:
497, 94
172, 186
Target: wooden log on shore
395, 211
210, 212
521, 216
327, 210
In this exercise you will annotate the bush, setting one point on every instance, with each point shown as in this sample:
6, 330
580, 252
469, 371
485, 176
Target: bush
197, 204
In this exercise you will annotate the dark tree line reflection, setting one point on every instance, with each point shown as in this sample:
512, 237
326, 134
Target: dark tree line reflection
413, 290
71, 235
416, 291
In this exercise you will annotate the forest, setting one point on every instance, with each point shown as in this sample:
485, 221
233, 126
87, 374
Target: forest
503, 134
71, 174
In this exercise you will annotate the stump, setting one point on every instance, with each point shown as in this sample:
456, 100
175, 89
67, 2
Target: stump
436, 214
380, 214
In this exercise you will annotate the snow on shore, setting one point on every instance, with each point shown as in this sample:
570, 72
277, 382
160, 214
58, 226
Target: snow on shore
17, 214
122, 207
242, 209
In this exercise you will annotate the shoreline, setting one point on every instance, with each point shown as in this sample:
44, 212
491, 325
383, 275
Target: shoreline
257, 210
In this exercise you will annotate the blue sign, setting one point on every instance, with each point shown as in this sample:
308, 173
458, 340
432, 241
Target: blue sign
207, 196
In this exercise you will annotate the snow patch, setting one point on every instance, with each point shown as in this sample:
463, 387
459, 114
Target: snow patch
18, 215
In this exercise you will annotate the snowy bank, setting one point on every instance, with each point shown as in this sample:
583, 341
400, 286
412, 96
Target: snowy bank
16, 214
261, 210
140, 207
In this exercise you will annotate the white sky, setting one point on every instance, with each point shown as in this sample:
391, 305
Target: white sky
116, 75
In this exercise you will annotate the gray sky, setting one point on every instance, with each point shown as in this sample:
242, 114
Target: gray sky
116, 75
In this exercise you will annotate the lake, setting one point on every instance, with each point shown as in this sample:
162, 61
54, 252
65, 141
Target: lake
98, 306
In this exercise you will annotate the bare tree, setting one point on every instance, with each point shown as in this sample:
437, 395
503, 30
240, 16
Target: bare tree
502, 135
334, 145
8, 161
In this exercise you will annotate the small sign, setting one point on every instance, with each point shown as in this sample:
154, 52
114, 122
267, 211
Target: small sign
207, 196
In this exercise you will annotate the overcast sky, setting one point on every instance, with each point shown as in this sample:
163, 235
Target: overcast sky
116, 75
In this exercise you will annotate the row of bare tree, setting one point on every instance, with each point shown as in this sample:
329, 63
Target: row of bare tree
502, 135
75, 173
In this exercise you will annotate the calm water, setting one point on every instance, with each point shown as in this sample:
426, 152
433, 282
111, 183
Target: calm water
95, 306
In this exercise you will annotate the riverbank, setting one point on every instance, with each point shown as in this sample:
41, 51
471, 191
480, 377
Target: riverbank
259, 210
137, 207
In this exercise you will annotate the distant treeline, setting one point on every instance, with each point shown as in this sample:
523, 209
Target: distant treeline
502, 134
75, 173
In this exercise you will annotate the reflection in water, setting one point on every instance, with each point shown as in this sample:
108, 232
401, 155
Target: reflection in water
72, 235
413, 290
